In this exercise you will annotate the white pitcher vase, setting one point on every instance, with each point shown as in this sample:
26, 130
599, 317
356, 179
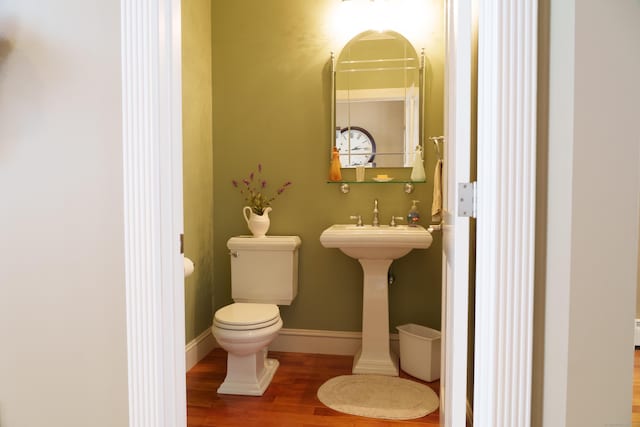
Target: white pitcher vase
258, 224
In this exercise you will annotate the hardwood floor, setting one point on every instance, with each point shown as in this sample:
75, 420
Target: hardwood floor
290, 400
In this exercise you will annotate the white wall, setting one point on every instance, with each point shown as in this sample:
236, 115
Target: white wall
592, 214
638, 286
62, 310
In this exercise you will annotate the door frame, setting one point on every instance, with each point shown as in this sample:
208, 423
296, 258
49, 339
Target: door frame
506, 194
455, 229
151, 58
152, 170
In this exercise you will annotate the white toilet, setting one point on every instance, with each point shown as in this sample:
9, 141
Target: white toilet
264, 274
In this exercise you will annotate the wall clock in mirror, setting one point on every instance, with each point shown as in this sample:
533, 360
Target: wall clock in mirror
356, 146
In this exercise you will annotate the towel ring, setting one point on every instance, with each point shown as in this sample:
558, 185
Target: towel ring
436, 140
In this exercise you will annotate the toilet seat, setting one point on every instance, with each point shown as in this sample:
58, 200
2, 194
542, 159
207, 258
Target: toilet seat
246, 316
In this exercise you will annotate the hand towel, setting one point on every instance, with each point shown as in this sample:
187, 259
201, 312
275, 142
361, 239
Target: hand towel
436, 206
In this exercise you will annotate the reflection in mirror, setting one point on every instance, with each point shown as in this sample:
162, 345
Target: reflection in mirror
378, 87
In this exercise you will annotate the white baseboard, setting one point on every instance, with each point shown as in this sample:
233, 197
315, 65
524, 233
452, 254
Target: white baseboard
636, 340
322, 342
291, 341
199, 347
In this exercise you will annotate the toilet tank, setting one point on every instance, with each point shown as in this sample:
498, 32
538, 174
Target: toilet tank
264, 269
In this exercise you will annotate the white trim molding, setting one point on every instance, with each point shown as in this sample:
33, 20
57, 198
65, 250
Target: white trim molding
341, 343
507, 79
323, 342
456, 229
198, 348
152, 163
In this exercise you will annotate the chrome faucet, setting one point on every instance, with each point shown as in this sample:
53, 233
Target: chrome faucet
394, 218
376, 220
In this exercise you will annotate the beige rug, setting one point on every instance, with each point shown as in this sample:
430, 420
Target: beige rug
378, 396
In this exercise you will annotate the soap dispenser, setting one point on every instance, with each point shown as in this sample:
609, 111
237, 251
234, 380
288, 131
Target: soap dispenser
413, 216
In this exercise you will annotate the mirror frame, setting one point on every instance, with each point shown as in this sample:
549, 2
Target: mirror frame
421, 91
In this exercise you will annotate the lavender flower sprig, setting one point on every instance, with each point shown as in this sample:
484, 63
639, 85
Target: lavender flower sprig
252, 189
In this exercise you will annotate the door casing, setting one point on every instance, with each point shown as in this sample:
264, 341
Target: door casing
152, 168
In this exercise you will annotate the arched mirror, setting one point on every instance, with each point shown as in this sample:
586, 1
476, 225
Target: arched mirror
377, 100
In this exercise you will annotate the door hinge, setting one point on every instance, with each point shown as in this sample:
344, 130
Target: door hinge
467, 199
182, 243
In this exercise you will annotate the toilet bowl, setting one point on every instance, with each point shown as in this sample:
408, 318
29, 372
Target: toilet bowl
245, 330
264, 274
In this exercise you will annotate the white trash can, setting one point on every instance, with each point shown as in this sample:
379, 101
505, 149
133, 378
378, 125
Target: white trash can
420, 351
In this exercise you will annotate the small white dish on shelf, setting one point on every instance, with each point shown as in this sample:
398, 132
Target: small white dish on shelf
382, 178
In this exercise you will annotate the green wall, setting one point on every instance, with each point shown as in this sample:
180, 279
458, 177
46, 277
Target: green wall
197, 163
271, 105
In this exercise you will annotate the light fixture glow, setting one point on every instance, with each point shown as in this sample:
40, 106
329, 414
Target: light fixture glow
378, 12
412, 18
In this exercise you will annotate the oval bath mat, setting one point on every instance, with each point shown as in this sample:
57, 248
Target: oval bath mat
378, 396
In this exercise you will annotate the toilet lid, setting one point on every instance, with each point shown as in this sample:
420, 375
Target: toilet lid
247, 315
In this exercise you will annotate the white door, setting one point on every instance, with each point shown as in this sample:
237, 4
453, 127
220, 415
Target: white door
455, 247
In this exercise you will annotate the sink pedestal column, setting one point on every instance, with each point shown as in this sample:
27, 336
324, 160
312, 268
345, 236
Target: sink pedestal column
375, 356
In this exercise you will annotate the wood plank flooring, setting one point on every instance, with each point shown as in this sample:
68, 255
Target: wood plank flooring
290, 400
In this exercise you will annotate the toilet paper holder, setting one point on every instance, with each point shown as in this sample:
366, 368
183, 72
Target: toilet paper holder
189, 267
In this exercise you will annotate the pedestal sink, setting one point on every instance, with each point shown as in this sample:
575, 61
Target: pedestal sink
375, 248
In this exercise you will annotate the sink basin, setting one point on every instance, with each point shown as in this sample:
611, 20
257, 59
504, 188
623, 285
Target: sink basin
382, 242
375, 248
